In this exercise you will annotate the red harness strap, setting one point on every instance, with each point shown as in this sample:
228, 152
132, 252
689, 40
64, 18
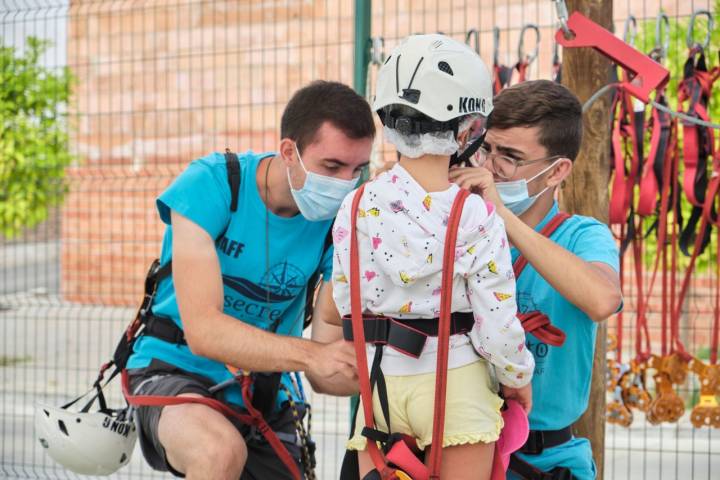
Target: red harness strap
444, 332
435, 454
254, 417
501, 77
522, 68
536, 322
626, 157
698, 141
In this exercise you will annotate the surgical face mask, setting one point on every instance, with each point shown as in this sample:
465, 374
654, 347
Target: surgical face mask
320, 197
515, 196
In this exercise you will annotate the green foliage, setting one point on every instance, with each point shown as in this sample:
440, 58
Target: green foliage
33, 136
675, 61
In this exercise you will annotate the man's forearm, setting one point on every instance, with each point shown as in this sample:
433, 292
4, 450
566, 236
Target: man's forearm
232, 342
578, 281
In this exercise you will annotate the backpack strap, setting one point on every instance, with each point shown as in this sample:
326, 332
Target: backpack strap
234, 177
313, 283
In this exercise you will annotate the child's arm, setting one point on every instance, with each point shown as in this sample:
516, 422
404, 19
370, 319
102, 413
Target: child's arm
341, 242
498, 334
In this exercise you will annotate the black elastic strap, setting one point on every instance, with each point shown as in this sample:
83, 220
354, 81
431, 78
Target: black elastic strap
539, 440
233, 170
526, 471
314, 282
456, 159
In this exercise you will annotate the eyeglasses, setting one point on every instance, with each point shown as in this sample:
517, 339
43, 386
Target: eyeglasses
504, 167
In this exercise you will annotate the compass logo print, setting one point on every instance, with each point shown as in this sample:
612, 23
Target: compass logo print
280, 284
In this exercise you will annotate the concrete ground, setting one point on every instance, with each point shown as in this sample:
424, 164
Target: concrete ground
51, 351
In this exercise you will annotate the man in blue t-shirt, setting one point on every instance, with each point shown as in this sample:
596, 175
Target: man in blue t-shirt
238, 291
533, 137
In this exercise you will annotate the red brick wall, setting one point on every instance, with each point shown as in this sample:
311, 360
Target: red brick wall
161, 83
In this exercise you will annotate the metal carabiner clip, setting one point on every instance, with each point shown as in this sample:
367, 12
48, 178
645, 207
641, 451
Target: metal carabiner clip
377, 51
662, 40
629, 33
562, 14
496, 46
473, 35
691, 43
522, 56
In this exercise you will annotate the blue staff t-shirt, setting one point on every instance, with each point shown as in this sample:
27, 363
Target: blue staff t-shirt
561, 382
267, 292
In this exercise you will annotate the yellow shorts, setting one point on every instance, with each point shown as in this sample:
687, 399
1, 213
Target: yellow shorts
472, 409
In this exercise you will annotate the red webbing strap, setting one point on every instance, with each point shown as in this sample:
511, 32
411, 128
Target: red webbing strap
695, 88
618, 194
536, 322
705, 222
547, 231
501, 77
522, 68
376, 455
253, 418
667, 202
539, 325
658, 155
716, 313
626, 148
435, 454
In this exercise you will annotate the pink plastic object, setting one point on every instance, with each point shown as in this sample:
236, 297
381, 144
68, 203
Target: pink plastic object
515, 432
646, 74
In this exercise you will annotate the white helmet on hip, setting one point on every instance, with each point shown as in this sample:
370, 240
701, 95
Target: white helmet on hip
89, 443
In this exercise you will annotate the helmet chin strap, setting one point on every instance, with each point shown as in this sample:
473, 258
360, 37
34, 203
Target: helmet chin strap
456, 159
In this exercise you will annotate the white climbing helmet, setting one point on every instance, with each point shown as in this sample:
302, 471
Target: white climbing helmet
437, 76
89, 443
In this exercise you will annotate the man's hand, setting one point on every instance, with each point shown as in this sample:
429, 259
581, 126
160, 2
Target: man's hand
333, 358
478, 180
522, 395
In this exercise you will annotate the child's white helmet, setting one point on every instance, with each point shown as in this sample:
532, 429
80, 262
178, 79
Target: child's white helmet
436, 75
89, 443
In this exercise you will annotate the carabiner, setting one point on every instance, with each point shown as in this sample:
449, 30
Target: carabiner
662, 40
496, 46
473, 34
629, 34
522, 57
562, 14
377, 50
691, 43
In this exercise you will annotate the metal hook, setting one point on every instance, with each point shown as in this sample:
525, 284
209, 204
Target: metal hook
522, 57
556, 54
377, 50
629, 34
496, 46
473, 34
691, 43
562, 14
662, 40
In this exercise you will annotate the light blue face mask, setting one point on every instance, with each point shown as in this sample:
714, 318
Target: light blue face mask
515, 196
320, 197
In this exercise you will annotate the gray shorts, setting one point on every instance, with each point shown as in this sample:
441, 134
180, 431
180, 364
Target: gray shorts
262, 462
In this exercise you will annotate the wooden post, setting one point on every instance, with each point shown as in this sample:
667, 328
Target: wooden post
586, 191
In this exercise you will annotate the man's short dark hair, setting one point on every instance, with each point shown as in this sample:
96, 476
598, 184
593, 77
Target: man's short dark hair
321, 102
544, 104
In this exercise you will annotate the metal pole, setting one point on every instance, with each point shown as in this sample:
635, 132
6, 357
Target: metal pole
363, 10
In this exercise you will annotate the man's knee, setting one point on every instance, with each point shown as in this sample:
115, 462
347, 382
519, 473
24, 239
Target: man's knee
225, 454
201, 442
